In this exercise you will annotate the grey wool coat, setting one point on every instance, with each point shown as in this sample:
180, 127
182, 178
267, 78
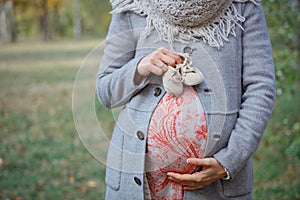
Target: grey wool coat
238, 95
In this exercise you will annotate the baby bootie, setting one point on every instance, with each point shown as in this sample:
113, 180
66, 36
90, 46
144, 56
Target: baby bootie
182, 74
172, 81
190, 75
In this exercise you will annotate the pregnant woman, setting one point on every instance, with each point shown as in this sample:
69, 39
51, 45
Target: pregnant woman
196, 82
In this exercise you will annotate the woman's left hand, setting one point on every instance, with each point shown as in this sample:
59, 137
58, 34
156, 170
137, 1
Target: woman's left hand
211, 171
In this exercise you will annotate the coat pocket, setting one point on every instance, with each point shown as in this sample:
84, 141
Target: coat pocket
114, 160
241, 184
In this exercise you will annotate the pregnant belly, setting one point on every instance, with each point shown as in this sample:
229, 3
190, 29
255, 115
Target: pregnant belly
177, 131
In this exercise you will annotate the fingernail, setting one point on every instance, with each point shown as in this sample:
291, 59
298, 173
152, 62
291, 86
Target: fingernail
187, 160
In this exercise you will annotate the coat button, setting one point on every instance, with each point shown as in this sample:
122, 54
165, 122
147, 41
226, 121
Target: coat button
188, 50
157, 91
137, 181
207, 90
217, 136
140, 135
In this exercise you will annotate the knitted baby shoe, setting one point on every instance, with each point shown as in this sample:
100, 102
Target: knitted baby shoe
191, 76
172, 81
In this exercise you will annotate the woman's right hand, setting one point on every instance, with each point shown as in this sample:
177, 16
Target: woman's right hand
157, 62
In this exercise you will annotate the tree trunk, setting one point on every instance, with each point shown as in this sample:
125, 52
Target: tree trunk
7, 15
3, 25
44, 21
14, 27
76, 19
56, 21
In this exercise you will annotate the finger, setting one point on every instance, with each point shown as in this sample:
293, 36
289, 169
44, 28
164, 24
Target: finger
164, 67
199, 162
156, 70
182, 177
168, 60
171, 54
191, 184
193, 187
198, 186
178, 59
185, 183
160, 65
172, 179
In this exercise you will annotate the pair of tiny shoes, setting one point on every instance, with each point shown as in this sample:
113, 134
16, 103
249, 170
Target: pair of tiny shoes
183, 74
172, 81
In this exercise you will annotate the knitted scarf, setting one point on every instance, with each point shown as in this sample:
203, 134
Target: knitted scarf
184, 20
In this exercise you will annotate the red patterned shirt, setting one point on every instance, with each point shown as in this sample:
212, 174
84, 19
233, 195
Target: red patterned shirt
177, 131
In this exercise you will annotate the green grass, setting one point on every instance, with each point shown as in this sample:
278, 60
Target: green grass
277, 161
43, 158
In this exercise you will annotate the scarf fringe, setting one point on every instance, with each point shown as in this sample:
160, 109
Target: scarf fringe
214, 34
256, 2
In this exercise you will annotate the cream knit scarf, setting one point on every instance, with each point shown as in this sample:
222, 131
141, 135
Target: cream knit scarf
184, 20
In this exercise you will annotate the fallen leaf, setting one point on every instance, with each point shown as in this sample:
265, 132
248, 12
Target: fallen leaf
92, 184
71, 179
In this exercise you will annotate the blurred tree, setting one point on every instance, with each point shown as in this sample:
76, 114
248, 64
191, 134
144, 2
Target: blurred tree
76, 19
43, 7
3, 25
278, 158
283, 20
13, 22
51, 19
95, 17
7, 20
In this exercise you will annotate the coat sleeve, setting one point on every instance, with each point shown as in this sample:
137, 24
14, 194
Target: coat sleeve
115, 79
258, 97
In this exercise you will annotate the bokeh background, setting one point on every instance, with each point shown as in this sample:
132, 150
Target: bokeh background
42, 45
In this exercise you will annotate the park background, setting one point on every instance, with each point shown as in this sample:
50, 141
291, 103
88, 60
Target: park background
43, 44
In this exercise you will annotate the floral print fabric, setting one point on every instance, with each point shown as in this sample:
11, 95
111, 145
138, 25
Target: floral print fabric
177, 131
